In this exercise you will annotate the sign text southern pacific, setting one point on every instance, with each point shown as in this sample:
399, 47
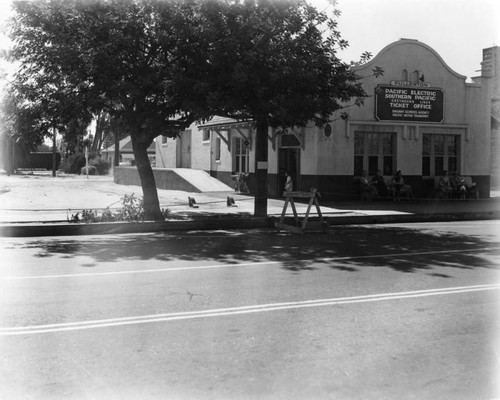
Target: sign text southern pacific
408, 104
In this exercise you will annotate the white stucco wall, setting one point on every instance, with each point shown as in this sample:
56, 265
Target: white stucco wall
200, 149
477, 142
465, 114
465, 109
165, 153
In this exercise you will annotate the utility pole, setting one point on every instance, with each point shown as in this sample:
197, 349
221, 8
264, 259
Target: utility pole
54, 151
87, 160
117, 146
261, 166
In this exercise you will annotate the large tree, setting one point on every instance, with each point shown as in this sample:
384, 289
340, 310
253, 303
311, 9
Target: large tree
22, 121
21, 126
157, 66
33, 111
125, 57
284, 70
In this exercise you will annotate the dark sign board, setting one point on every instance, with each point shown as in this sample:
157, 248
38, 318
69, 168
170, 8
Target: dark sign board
396, 103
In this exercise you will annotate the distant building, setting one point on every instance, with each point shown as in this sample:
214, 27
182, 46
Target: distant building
126, 153
490, 69
421, 117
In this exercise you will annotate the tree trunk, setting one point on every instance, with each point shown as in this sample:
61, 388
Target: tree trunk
261, 165
11, 157
150, 194
96, 144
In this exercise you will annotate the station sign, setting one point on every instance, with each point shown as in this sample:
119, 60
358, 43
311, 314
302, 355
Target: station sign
416, 104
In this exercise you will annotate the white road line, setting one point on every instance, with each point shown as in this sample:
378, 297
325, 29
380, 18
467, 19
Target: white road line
140, 271
145, 319
235, 265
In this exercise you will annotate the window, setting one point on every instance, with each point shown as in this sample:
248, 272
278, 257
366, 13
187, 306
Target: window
404, 75
372, 152
217, 148
415, 75
240, 155
164, 140
439, 153
289, 140
206, 135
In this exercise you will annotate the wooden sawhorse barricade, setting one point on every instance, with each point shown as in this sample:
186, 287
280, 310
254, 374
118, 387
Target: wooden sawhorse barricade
299, 227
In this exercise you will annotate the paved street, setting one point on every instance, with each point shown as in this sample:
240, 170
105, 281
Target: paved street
363, 312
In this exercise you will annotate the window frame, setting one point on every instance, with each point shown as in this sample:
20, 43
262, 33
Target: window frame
217, 150
370, 155
241, 155
436, 160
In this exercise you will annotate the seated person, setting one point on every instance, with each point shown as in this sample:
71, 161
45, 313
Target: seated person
471, 189
368, 191
458, 185
378, 182
398, 187
444, 186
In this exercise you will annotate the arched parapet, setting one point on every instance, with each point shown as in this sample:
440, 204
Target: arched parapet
408, 42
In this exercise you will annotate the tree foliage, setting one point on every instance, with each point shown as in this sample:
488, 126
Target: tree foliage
284, 70
284, 66
157, 66
123, 57
19, 116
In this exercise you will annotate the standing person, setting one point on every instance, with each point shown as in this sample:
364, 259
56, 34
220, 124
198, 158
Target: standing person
288, 183
397, 184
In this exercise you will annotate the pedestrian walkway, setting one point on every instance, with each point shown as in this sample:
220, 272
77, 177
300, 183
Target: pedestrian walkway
42, 198
39, 198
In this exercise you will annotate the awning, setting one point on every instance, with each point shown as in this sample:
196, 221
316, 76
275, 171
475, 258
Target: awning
222, 123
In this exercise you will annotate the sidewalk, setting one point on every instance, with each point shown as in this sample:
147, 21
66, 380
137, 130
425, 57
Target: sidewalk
40, 200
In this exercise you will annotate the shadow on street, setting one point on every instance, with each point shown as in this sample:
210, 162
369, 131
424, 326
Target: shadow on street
344, 248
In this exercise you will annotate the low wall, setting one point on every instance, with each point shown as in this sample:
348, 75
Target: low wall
165, 179
330, 187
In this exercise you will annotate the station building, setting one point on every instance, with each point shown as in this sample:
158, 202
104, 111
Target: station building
420, 117
490, 67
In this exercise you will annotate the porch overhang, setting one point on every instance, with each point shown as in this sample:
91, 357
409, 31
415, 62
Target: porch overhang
241, 127
224, 123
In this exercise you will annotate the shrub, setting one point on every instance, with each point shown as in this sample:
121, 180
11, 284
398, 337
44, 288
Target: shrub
102, 166
132, 211
73, 164
92, 170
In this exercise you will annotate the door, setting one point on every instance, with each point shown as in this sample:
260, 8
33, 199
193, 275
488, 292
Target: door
288, 160
184, 150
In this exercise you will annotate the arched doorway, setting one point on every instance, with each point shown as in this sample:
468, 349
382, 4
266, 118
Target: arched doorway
288, 160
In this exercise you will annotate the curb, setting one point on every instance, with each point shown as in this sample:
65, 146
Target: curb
223, 222
416, 218
67, 229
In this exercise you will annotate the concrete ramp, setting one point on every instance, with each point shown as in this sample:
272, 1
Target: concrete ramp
184, 179
201, 181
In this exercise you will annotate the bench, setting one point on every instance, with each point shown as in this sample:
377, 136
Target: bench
466, 190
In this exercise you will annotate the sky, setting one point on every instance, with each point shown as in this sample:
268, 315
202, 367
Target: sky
458, 30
